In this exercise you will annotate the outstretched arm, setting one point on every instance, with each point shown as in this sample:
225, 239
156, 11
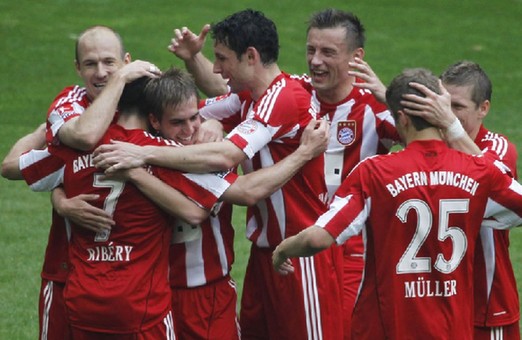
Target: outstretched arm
10, 164
436, 109
250, 188
193, 158
307, 243
84, 132
187, 46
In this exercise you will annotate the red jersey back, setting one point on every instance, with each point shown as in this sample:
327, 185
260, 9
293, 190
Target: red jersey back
127, 267
420, 212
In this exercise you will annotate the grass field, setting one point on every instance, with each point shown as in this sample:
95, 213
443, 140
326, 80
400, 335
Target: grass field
37, 62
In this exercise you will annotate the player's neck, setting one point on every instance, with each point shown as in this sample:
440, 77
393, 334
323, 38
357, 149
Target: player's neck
263, 79
426, 134
337, 94
132, 121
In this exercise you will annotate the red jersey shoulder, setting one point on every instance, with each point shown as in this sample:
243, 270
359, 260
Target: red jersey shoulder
285, 99
71, 95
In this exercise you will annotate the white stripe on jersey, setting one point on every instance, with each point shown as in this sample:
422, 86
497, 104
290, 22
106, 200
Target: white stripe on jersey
76, 94
220, 244
194, 263
212, 182
488, 250
265, 107
497, 333
46, 183
48, 299
168, 321
311, 299
499, 144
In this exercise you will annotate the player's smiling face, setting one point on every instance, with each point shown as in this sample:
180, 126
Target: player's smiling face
180, 123
232, 68
99, 57
328, 56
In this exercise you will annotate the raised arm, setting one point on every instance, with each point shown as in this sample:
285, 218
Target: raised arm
10, 164
187, 46
252, 187
84, 132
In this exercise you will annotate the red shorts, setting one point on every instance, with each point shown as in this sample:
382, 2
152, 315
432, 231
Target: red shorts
206, 312
511, 332
353, 266
51, 311
162, 330
303, 305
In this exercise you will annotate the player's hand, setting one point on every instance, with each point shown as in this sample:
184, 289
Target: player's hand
185, 44
137, 69
434, 108
314, 139
282, 264
371, 81
209, 131
118, 156
79, 211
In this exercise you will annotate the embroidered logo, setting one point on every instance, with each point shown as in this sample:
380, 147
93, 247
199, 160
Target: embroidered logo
247, 127
346, 132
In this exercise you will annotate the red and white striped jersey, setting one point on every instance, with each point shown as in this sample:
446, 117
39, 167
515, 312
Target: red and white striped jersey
202, 254
420, 212
496, 296
128, 266
44, 172
270, 130
360, 127
69, 103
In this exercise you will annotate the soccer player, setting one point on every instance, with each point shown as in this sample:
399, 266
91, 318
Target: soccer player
274, 115
127, 266
496, 298
201, 256
417, 209
99, 53
361, 126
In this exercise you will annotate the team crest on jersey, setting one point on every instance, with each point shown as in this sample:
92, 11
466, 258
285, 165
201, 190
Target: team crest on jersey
247, 127
346, 132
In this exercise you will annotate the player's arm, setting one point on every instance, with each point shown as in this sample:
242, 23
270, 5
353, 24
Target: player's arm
166, 197
10, 164
199, 158
83, 132
307, 243
436, 109
187, 46
79, 211
249, 189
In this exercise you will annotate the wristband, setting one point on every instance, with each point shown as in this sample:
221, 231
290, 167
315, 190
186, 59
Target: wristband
455, 131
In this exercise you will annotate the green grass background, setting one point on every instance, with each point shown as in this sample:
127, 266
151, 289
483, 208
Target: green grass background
36, 62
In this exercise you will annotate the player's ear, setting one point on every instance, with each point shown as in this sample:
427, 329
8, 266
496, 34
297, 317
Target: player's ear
484, 109
252, 55
359, 53
154, 122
